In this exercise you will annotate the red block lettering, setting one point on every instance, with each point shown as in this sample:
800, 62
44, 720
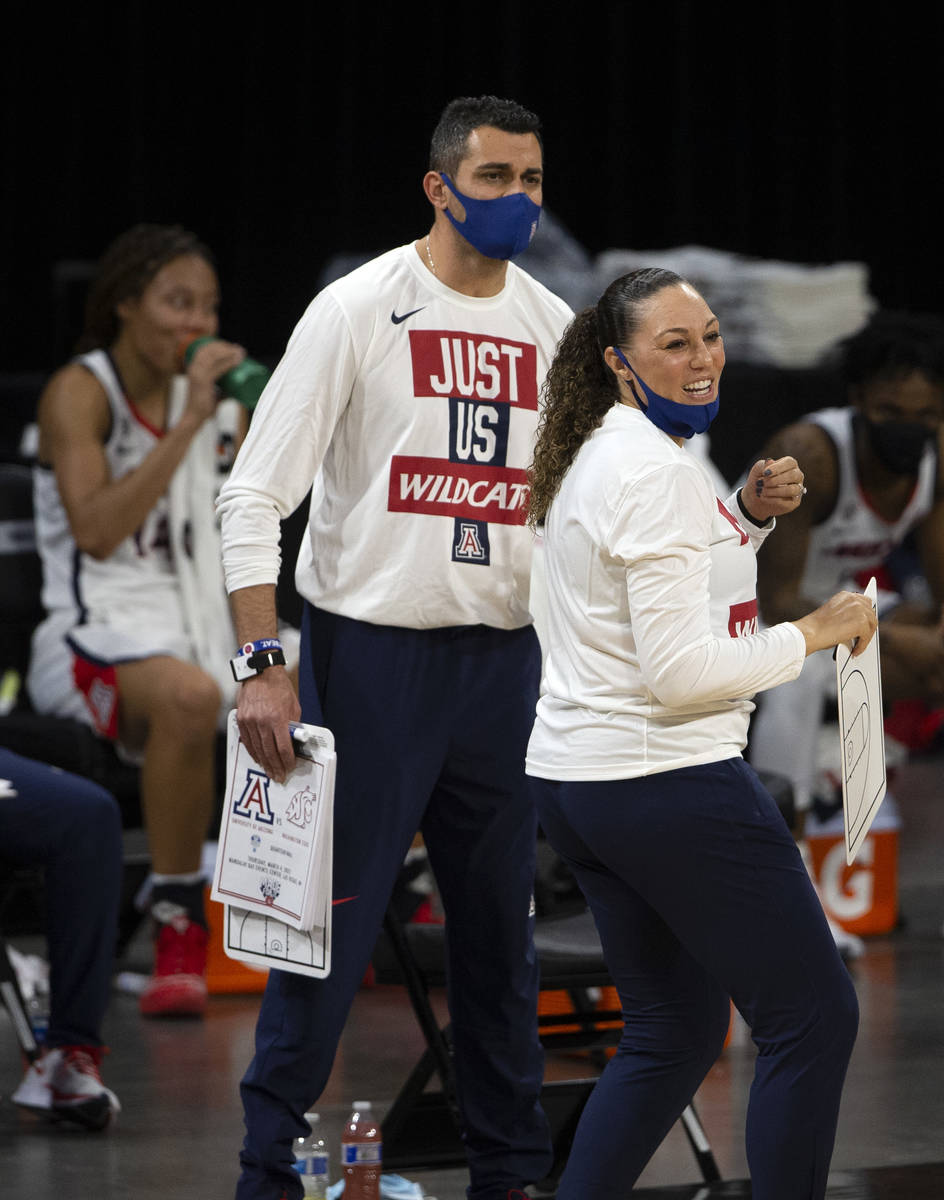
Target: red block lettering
441, 488
451, 363
742, 618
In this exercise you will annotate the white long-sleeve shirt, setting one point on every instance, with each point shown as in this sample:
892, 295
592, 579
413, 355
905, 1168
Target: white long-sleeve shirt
653, 650
412, 409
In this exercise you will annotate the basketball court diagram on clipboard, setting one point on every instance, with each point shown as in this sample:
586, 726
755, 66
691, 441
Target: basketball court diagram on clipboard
264, 941
862, 734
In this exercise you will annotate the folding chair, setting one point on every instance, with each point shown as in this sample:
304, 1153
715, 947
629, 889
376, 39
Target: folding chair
422, 1128
15, 1005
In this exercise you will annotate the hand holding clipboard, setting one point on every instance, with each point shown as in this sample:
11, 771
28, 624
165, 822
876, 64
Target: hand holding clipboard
862, 736
273, 870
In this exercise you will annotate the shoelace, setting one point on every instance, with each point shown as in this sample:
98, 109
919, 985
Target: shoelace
174, 948
86, 1059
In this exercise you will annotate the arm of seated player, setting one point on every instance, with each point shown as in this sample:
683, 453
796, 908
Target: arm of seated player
913, 636
74, 422
929, 540
912, 662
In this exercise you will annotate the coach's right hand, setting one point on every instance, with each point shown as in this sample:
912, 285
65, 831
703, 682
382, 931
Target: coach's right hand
266, 705
846, 617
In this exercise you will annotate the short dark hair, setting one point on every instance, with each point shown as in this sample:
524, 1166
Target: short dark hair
450, 138
125, 270
893, 344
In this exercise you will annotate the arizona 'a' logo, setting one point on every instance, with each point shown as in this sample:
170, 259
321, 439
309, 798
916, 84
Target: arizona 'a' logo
471, 543
102, 698
254, 800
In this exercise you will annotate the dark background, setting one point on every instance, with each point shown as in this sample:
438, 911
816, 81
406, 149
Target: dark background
285, 134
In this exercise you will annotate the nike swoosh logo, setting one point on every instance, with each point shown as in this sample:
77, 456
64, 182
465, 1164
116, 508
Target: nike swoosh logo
396, 320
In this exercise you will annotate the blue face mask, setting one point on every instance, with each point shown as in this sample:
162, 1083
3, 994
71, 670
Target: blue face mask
498, 228
672, 417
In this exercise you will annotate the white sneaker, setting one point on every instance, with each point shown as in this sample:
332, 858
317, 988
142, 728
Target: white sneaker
64, 1084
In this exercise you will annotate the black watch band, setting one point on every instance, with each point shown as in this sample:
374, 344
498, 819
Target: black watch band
245, 666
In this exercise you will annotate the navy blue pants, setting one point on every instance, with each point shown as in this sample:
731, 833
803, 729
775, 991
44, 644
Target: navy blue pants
72, 828
430, 728
699, 893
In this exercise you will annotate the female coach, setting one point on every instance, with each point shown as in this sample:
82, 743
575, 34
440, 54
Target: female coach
695, 883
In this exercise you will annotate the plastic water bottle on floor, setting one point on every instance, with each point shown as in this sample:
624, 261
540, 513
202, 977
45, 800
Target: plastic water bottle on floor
361, 1154
311, 1159
37, 1007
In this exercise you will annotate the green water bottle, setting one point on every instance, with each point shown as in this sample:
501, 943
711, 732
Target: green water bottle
244, 382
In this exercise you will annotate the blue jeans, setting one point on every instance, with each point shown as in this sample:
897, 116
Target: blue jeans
699, 893
430, 728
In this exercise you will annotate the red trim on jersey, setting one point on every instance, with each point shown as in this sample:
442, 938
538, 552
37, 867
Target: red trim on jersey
141, 418
891, 522
734, 521
98, 683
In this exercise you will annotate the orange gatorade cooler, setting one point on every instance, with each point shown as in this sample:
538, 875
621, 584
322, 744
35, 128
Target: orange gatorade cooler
863, 898
223, 974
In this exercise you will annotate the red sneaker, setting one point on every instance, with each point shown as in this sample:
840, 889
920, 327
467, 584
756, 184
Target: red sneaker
178, 986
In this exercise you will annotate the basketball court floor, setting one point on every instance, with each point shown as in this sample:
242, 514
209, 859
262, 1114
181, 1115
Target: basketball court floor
178, 1135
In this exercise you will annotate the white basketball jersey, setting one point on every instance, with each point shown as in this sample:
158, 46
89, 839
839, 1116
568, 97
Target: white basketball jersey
74, 580
854, 538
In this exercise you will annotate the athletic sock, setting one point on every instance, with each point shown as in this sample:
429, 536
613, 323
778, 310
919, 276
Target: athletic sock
175, 895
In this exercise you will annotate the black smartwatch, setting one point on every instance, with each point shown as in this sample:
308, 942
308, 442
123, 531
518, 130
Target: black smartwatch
253, 658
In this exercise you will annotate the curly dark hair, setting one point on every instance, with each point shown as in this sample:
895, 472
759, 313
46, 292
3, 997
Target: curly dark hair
580, 388
465, 113
891, 345
125, 270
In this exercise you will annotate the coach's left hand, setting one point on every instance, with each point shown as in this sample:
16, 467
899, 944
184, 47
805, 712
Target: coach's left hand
774, 487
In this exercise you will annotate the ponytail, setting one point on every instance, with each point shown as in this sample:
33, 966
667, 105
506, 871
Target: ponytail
578, 391
580, 388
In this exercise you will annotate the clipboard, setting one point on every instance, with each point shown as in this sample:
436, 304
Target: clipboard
862, 737
263, 941
274, 859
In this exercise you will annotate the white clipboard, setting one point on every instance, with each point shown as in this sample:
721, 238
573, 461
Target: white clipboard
263, 941
274, 860
862, 737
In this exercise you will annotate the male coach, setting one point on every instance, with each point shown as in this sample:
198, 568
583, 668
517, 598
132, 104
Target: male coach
408, 398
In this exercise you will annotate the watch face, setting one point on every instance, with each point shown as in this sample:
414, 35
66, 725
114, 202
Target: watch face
242, 667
